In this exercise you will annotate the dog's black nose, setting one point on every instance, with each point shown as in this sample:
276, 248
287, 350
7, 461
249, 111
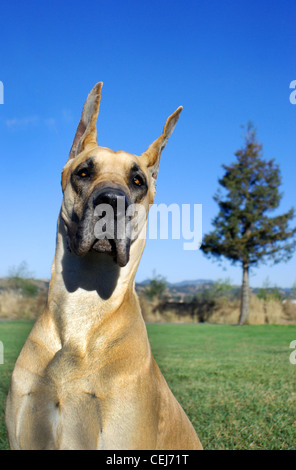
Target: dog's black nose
114, 197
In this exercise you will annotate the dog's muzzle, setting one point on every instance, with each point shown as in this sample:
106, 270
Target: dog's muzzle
104, 226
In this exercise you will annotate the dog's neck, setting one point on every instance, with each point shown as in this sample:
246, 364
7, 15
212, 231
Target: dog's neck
85, 291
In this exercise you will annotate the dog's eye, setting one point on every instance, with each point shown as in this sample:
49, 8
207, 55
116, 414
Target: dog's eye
83, 173
137, 180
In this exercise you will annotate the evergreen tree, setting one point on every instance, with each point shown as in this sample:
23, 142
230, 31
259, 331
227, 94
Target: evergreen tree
243, 230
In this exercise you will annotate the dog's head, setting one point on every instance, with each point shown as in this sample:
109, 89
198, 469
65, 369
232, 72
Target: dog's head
104, 191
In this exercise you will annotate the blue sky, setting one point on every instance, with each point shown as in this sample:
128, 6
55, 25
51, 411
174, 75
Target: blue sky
226, 62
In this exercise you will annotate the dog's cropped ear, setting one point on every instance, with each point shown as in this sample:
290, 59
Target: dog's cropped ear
152, 155
86, 133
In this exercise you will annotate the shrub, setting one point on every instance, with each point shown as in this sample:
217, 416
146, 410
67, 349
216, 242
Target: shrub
156, 287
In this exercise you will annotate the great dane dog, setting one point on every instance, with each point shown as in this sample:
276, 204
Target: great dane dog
86, 377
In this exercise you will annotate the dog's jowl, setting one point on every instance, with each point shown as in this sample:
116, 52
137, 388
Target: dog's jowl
86, 378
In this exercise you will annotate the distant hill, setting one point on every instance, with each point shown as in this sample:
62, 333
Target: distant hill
179, 290
195, 282
191, 287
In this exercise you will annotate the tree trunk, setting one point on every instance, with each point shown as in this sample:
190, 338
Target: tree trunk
244, 309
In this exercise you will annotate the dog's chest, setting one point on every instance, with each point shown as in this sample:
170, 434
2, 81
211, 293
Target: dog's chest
75, 404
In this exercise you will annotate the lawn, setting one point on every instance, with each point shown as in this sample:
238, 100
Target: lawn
236, 384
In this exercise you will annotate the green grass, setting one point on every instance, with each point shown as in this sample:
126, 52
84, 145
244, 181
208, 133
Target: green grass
13, 335
235, 383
